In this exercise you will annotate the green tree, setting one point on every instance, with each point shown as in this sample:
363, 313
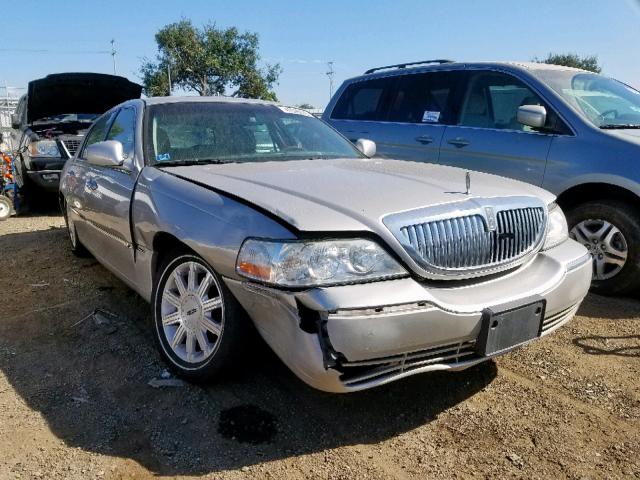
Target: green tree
306, 106
589, 62
209, 61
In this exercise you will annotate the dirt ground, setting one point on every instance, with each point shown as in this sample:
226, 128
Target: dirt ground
75, 399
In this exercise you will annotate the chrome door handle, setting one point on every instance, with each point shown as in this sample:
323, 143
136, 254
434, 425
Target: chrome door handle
458, 142
92, 184
424, 139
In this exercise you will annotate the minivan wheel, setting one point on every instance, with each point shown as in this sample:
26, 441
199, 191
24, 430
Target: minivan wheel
610, 230
198, 324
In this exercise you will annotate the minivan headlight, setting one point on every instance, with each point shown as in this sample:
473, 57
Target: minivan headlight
557, 230
315, 263
44, 148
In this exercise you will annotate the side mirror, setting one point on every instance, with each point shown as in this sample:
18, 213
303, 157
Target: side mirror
368, 147
15, 121
105, 154
532, 115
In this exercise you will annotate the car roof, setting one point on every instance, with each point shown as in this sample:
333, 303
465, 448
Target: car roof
531, 67
207, 99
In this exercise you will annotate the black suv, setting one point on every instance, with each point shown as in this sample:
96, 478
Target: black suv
51, 120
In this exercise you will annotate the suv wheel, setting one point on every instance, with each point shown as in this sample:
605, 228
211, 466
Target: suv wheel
610, 230
198, 324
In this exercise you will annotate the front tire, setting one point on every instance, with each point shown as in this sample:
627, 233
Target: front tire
198, 325
610, 230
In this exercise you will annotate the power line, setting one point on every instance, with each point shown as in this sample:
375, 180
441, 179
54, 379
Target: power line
44, 50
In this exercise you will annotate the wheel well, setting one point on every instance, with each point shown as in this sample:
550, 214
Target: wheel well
595, 191
163, 244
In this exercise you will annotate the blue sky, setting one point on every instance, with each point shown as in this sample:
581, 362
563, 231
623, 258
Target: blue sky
47, 37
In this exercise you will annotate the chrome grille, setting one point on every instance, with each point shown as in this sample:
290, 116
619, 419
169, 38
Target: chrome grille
467, 242
71, 144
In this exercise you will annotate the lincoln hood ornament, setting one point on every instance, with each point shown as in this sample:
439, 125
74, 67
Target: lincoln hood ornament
468, 183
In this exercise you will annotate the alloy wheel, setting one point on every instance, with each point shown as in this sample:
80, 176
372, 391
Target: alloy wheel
607, 246
192, 312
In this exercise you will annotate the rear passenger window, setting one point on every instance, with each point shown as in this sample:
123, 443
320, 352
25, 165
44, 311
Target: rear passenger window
422, 98
365, 100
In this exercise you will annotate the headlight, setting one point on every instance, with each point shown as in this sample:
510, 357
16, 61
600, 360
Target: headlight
44, 148
315, 263
557, 230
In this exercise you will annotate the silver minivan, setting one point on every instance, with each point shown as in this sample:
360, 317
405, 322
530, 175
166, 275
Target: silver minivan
570, 131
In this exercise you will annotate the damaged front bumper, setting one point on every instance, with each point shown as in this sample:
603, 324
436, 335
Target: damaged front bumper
353, 337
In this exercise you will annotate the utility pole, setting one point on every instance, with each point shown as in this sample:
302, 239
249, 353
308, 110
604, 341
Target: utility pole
113, 54
330, 74
169, 76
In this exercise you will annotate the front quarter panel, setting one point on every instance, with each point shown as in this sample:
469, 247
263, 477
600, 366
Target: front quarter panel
211, 224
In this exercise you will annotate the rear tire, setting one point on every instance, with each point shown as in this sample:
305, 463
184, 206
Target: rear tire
199, 327
610, 229
5, 208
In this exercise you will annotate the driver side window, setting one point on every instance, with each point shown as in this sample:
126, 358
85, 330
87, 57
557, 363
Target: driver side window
123, 130
492, 100
98, 131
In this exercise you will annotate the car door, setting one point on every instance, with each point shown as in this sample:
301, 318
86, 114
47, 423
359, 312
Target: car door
107, 195
418, 113
487, 136
77, 191
361, 110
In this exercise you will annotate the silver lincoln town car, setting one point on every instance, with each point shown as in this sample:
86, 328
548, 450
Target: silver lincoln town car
357, 271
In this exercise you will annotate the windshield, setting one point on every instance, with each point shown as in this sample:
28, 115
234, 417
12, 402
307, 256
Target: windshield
69, 117
605, 102
218, 132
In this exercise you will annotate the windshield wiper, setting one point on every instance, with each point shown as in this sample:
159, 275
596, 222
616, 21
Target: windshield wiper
618, 126
188, 162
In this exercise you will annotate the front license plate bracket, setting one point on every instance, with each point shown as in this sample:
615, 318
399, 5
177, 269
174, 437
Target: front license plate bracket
503, 330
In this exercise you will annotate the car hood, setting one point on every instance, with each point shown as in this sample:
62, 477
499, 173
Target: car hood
629, 134
348, 194
77, 93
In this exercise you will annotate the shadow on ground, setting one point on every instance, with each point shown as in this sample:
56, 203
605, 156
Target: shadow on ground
88, 376
623, 346
598, 306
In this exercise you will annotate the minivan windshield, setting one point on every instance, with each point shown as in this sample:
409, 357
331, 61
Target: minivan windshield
224, 132
606, 102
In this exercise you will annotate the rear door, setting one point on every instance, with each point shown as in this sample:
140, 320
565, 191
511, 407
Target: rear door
361, 108
405, 115
419, 110
487, 137
107, 195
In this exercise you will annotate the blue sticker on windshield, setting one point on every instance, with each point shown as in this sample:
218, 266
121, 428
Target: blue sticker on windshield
163, 157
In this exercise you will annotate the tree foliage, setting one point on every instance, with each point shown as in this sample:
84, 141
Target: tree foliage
209, 61
306, 106
589, 62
